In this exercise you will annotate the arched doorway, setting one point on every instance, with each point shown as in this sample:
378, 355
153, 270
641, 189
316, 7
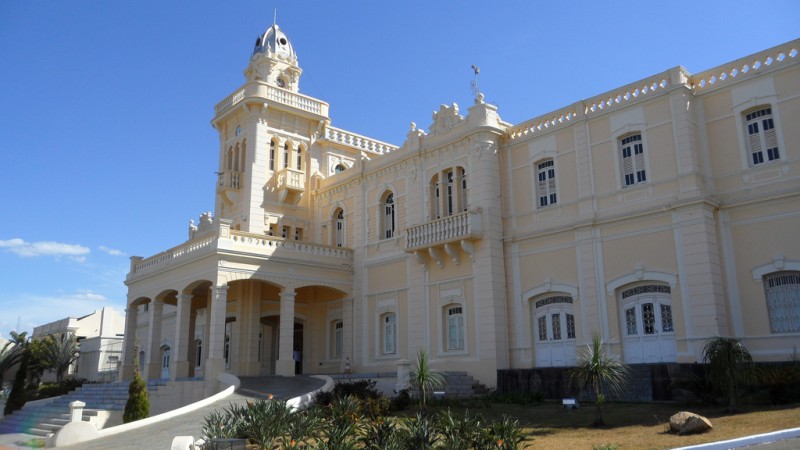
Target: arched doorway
647, 326
165, 355
554, 331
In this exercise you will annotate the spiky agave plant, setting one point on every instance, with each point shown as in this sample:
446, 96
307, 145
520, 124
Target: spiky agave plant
600, 371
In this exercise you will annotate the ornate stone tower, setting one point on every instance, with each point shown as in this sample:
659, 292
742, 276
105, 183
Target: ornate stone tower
266, 130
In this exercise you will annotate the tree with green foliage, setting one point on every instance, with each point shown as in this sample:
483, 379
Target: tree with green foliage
61, 353
39, 361
18, 396
729, 365
600, 371
138, 404
424, 377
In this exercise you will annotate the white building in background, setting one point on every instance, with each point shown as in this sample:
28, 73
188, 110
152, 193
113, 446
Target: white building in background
655, 215
100, 336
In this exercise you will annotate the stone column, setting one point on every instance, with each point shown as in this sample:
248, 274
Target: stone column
180, 354
215, 361
153, 367
131, 316
347, 336
285, 364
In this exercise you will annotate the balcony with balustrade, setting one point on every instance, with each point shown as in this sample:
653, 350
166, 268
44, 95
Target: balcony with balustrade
290, 182
449, 233
228, 185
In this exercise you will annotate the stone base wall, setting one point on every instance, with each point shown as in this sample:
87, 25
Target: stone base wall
648, 382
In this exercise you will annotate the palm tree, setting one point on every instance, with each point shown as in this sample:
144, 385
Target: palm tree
424, 378
730, 364
10, 355
61, 353
600, 371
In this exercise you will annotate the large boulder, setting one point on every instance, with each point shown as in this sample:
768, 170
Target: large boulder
686, 422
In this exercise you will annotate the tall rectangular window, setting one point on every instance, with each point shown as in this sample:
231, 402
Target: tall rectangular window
389, 333
272, 155
546, 185
455, 328
632, 152
338, 338
762, 140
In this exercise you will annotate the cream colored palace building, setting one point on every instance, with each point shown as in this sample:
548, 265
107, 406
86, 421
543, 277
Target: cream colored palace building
656, 215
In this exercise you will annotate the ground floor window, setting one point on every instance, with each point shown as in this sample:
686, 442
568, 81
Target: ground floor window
454, 317
554, 331
783, 301
337, 341
389, 333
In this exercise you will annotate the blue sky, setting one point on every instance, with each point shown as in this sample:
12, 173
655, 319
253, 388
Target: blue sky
104, 124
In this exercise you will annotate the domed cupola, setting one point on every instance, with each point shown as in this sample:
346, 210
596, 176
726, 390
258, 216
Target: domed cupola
274, 61
275, 42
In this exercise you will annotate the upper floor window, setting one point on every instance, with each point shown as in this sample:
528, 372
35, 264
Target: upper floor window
299, 158
272, 155
339, 168
448, 195
546, 184
632, 153
388, 217
783, 301
338, 228
285, 155
762, 140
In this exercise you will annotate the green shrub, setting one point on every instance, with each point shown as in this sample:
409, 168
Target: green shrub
138, 404
401, 401
47, 390
782, 381
382, 435
523, 398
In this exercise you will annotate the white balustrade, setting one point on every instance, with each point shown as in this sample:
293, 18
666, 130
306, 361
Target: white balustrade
356, 140
749, 65
274, 94
466, 225
291, 179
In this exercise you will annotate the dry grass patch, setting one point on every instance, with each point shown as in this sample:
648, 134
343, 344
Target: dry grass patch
636, 425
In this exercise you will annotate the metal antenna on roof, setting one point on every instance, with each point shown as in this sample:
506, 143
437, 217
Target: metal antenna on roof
275, 18
475, 91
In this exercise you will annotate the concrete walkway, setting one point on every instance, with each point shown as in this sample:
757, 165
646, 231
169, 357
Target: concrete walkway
159, 435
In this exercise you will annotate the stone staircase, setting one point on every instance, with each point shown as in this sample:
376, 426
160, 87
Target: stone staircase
462, 385
46, 418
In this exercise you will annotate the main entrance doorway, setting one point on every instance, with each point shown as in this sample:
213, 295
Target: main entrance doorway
269, 345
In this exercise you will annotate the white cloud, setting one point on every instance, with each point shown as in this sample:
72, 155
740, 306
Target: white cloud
112, 251
45, 248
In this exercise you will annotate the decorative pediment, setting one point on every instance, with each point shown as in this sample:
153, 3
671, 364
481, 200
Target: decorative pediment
445, 119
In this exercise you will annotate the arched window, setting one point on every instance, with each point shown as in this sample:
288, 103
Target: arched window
339, 168
762, 139
454, 327
271, 155
546, 183
286, 155
554, 330
648, 331
448, 192
229, 159
783, 301
388, 216
389, 333
235, 166
632, 160
338, 227
299, 158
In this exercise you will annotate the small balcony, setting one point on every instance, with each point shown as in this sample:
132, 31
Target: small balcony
228, 186
290, 181
451, 232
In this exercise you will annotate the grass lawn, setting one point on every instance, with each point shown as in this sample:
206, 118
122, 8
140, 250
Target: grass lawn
635, 425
